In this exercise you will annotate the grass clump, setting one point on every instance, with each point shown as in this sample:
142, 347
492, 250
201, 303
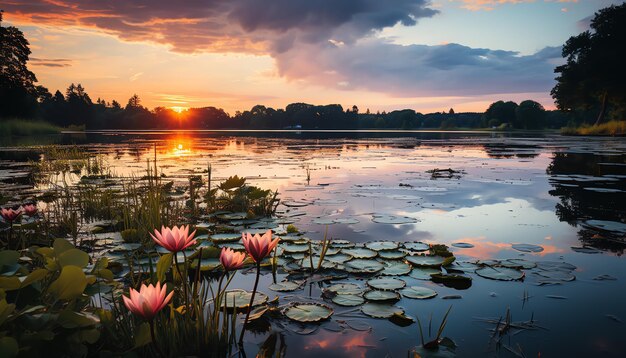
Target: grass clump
21, 127
611, 128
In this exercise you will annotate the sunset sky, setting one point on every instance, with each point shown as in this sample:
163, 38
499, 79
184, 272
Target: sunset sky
234, 54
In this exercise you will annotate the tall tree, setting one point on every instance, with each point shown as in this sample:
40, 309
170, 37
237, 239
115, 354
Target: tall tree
17, 83
594, 74
530, 115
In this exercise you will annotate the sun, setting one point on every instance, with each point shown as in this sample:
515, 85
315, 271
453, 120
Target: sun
179, 109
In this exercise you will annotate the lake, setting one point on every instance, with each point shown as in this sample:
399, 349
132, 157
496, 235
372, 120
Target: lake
548, 206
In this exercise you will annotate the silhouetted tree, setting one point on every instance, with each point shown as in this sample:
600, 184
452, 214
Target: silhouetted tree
17, 84
530, 114
594, 75
500, 112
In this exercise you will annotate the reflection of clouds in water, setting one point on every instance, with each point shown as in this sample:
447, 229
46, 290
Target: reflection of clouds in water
484, 249
353, 344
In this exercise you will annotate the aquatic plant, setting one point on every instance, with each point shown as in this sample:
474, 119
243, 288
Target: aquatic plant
175, 239
258, 247
235, 195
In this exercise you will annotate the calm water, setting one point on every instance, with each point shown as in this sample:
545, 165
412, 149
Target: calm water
566, 195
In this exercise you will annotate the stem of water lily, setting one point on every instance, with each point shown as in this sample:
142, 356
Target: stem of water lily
182, 279
154, 341
256, 284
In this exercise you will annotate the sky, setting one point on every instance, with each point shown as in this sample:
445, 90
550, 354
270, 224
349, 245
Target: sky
234, 54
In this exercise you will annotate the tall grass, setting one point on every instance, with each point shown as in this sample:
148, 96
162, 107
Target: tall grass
611, 128
21, 127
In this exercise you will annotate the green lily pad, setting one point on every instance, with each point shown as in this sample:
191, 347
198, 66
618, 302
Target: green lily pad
386, 283
423, 273
500, 273
240, 299
363, 266
295, 248
462, 245
348, 300
308, 312
391, 254
360, 253
377, 295
380, 310
518, 264
229, 237
338, 259
426, 260
418, 292
396, 268
527, 247
285, 286
381, 245
416, 246
341, 244
346, 289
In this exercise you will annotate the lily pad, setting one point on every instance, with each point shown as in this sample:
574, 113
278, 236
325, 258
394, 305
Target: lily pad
391, 254
386, 283
418, 292
346, 289
338, 259
380, 310
500, 273
463, 245
416, 246
360, 253
423, 273
458, 282
230, 237
241, 299
349, 221
527, 247
426, 260
308, 312
363, 266
295, 248
377, 295
393, 219
341, 243
395, 268
285, 286
381, 245
348, 300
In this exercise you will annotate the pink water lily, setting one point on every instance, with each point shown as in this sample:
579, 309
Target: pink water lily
175, 239
9, 214
148, 301
30, 209
258, 247
231, 260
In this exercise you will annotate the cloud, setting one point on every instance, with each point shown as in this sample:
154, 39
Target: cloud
420, 70
51, 62
226, 25
323, 42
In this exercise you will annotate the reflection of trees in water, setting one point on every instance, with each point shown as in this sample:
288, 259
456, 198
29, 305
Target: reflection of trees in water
510, 150
574, 172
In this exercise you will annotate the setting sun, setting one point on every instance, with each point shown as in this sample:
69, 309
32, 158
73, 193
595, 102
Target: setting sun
179, 110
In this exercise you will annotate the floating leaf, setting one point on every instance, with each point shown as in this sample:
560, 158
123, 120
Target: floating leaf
376, 295
363, 266
296, 248
360, 253
338, 259
240, 299
426, 260
348, 300
416, 246
423, 273
308, 312
226, 237
527, 247
73, 257
341, 243
386, 283
500, 273
518, 263
381, 245
346, 289
463, 245
380, 310
285, 286
392, 219
401, 320
395, 269
391, 254
418, 292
